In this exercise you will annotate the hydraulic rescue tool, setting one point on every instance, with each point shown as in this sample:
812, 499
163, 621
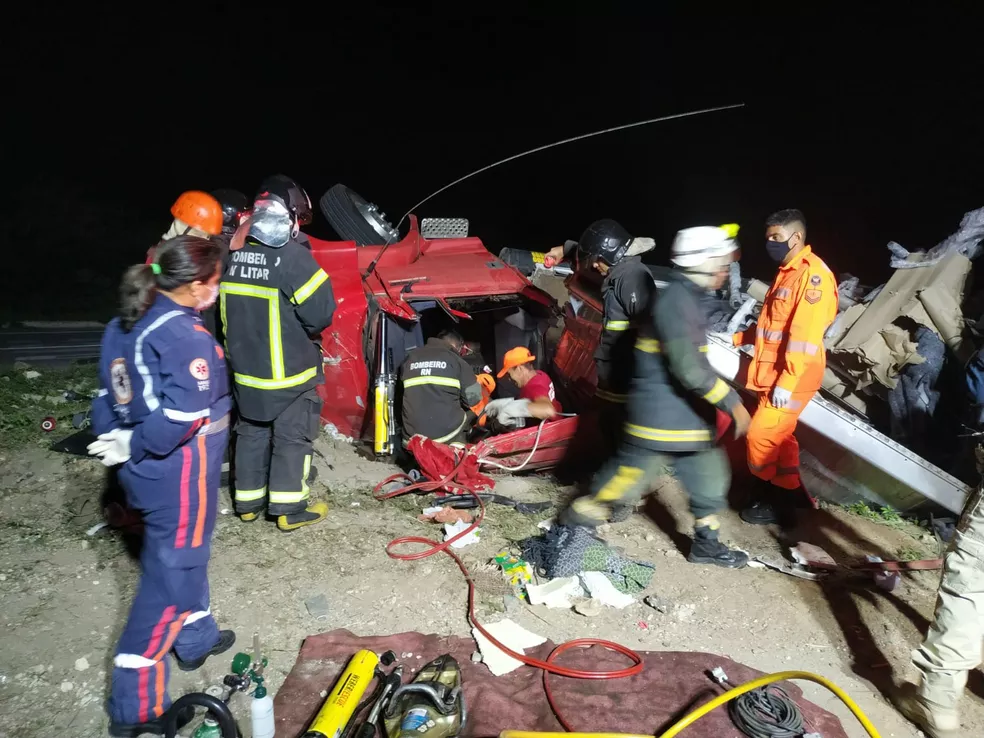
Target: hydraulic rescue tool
391, 682
341, 703
431, 706
384, 429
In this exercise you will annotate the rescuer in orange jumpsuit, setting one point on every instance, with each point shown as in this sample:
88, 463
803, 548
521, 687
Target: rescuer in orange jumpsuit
788, 364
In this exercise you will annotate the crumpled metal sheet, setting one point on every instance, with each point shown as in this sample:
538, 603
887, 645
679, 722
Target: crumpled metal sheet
966, 241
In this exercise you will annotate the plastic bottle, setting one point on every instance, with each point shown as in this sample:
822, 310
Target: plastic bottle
209, 729
261, 714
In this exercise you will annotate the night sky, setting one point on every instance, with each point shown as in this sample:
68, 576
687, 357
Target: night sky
868, 121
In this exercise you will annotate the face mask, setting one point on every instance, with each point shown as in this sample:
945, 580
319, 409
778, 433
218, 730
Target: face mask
208, 301
777, 250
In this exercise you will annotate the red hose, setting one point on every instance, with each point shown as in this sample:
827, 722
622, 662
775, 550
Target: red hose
548, 665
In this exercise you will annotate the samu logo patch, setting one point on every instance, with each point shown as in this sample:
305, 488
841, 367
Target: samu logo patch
120, 380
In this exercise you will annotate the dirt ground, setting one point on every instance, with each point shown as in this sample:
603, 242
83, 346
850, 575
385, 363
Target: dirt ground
65, 594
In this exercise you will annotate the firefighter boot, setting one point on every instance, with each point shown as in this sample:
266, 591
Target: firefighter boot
315, 513
773, 505
707, 549
937, 721
226, 640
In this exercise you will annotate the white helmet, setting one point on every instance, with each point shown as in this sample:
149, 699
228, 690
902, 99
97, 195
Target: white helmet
693, 247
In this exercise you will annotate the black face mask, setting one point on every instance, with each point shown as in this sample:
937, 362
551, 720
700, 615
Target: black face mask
777, 250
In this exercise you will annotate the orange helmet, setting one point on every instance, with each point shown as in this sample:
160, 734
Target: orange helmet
199, 210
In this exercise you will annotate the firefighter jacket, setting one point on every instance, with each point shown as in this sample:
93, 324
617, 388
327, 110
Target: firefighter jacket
274, 304
798, 309
625, 294
675, 395
438, 389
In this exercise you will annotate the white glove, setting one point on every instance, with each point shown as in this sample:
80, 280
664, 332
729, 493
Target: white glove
508, 411
780, 397
112, 448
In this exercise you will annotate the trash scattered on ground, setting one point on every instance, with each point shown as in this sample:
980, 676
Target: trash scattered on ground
453, 529
659, 604
444, 514
317, 607
512, 636
589, 607
558, 593
517, 571
601, 588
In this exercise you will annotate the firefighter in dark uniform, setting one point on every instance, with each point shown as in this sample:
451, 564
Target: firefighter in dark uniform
608, 249
438, 389
275, 301
674, 388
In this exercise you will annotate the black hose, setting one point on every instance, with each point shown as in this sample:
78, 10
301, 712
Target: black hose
767, 713
218, 708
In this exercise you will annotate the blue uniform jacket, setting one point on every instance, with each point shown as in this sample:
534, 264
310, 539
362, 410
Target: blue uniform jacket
166, 380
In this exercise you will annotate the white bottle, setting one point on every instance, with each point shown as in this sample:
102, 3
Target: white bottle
261, 714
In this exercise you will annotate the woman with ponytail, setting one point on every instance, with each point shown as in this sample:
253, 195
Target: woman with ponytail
162, 418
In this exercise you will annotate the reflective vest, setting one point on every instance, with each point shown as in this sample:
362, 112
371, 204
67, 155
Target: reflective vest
274, 304
788, 338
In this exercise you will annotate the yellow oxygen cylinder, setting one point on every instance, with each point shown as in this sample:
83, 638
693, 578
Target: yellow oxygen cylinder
344, 697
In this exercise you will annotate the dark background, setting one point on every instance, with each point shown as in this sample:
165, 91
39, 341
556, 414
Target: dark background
866, 117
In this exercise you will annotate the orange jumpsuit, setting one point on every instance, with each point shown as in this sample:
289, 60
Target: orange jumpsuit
798, 309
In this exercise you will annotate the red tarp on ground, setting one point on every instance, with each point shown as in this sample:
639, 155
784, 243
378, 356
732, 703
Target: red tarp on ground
672, 683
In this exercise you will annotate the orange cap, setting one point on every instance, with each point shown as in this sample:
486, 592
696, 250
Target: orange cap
199, 210
515, 357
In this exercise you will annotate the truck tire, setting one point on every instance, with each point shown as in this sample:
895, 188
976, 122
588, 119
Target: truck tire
356, 219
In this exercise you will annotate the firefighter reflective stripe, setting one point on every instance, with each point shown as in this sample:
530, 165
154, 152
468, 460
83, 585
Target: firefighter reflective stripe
803, 347
783, 292
718, 392
648, 345
248, 495
309, 287
287, 498
667, 436
447, 437
304, 476
616, 325
703, 349
279, 380
770, 335
442, 381
275, 384
615, 397
624, 480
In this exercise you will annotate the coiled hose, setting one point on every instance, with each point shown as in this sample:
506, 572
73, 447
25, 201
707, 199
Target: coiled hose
692, 717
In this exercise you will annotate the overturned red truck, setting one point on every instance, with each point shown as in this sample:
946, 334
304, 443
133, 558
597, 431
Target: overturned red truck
391, 298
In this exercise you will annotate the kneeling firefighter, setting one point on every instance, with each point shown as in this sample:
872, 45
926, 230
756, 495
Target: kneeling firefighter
275, 302
439, 390
673, 385
162, 419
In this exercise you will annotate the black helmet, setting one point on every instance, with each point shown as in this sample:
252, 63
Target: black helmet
234, 204
291, 194
605, 240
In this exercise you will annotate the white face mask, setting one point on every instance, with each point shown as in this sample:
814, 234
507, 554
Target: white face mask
208, 301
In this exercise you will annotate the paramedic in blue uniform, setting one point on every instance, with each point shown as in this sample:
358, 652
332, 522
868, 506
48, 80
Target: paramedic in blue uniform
162, 415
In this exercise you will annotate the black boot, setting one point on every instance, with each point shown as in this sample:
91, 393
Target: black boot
152, 727
707, 549
226, 639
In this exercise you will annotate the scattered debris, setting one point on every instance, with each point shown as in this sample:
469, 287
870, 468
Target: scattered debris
444, 514
81, 664
589, 607
512, 636
659, 604
454, 529
32, 374
317, 607
559, 593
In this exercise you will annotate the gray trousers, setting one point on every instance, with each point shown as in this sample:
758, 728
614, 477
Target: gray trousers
953, 645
